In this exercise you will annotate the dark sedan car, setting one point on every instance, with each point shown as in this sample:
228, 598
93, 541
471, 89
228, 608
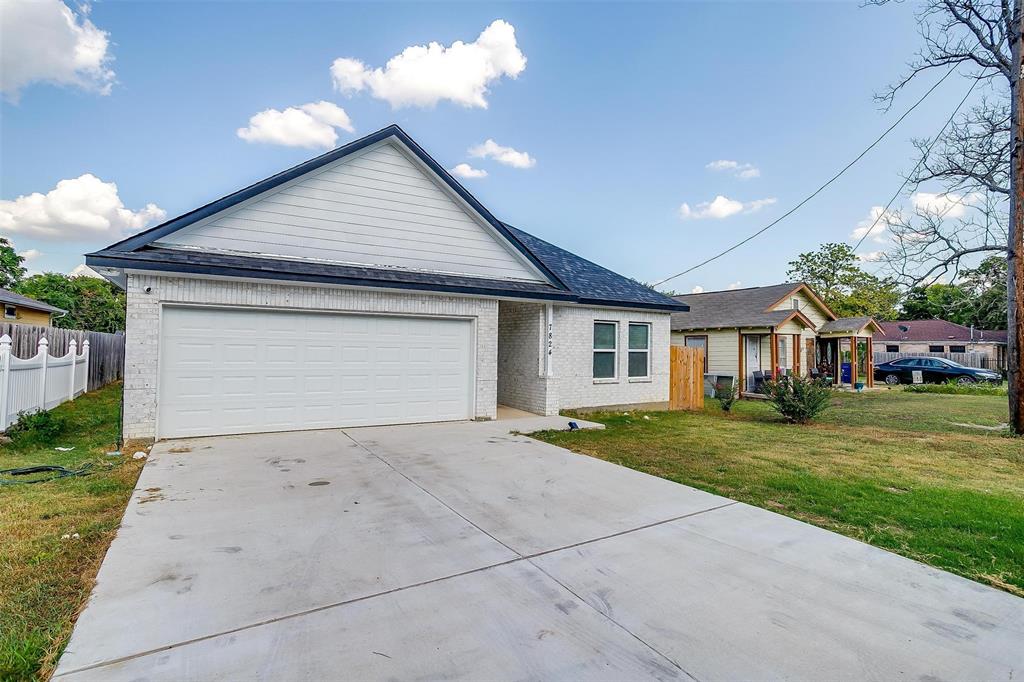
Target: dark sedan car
933, 371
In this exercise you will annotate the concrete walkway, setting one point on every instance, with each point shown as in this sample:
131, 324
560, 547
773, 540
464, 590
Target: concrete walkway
465, 551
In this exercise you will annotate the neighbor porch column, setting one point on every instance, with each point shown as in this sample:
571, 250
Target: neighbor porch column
774, 352
853, 361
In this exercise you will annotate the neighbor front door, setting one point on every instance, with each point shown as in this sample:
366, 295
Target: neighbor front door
752, 352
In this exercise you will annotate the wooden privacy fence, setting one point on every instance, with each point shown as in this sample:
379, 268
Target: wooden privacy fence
41, 382
686, 378
106, 361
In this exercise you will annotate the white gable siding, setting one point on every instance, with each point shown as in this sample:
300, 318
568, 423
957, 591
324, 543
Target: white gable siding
377, 208
807, 306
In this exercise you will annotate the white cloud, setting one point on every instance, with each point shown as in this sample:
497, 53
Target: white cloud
78, 209
735, 285
83, 270
504, 155
464, 170
310, 125
423, 75
30, 254
875, 226
743, 171
722, 207
944, 204
45, 41
870, 256
697, 290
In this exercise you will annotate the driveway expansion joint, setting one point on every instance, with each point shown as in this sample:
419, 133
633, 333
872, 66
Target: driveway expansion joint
325, 607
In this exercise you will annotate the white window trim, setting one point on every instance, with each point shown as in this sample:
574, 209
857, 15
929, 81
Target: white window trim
647, 375
795, 303
614, 379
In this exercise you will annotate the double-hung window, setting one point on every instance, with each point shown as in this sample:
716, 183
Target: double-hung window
605, 349
639, 350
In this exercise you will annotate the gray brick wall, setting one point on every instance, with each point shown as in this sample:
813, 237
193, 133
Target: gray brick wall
573, 359
521, 381
143, 328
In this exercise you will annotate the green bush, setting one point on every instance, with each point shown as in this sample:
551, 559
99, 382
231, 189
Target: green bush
726, 396
951, 387
39, 426
798, 399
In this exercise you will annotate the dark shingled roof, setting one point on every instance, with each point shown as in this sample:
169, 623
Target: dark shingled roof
936, 330
26, 302
572, 278
844, 324
589, 281
733, 308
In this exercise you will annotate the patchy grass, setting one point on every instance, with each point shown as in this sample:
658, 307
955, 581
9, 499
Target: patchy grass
890, 468
44, 579
953, 388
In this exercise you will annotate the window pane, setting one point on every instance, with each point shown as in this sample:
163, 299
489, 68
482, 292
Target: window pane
604, 335
604, 365
892, 349
638, 334
638, 363
696, 341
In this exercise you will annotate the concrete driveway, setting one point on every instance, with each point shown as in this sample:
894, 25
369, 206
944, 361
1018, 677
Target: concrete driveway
463, 551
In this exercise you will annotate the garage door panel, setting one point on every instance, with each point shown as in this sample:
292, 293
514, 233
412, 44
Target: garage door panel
300, 370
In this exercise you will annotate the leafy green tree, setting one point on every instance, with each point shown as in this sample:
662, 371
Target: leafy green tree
93, 304
986, 285
11, 269
938, 301
833, 272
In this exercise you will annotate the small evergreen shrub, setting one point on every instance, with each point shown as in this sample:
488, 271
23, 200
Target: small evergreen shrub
726, 396
40, 426
798, 399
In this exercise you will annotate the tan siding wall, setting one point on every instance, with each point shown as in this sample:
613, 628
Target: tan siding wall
723, 349
807, 307
28, 316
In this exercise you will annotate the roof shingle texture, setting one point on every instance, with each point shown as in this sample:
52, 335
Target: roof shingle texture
844, 324
936, 330
733, 308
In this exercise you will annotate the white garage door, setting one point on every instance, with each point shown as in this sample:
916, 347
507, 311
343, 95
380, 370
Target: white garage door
233, 370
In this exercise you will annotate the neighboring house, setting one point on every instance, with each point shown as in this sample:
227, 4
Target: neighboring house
975, 347
774, 329
367, 286
25, 310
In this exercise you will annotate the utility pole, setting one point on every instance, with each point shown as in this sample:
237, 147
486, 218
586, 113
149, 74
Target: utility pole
1015, 251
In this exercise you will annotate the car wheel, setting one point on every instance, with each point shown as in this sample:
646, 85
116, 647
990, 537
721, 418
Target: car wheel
963, 381
892, 379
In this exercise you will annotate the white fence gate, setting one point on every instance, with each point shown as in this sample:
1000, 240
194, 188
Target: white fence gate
41, 382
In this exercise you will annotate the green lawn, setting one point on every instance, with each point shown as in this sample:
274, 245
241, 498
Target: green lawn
45, 580
891, 468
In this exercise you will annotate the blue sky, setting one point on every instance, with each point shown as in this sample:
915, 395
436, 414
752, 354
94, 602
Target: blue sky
622, 107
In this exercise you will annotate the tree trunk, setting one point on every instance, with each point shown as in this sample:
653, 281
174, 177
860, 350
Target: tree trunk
1015, 247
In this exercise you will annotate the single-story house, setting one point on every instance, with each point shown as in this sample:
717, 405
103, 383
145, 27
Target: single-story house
765, 331
25, 310
365, 287
985, 347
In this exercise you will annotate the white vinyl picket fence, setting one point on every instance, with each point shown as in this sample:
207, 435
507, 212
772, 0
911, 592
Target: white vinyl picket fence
41, 382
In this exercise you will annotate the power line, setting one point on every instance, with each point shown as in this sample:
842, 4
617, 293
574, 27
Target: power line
815, 192
924, 157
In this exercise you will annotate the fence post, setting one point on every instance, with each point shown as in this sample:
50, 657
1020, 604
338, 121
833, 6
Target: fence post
5, 378
44, 351
73, 351
85, 362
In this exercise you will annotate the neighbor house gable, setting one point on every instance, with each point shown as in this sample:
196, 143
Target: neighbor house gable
810, 304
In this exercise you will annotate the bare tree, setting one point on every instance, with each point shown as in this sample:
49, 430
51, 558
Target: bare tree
980, 155
970, 160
